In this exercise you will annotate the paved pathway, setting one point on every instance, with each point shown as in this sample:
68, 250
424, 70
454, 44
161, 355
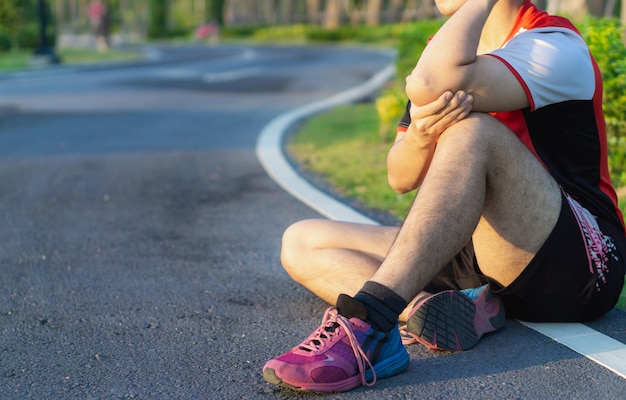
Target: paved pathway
140, 233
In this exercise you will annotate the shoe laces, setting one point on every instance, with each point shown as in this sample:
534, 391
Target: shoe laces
406, 336
329, 332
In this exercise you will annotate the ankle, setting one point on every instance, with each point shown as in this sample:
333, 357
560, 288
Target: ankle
379, 306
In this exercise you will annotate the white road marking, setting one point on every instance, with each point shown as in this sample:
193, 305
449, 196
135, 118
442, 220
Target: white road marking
594, 345
227, 76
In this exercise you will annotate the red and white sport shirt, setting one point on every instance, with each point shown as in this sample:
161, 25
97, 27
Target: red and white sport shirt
564, 126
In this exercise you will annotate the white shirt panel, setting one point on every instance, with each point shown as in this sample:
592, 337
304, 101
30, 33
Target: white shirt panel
554, 64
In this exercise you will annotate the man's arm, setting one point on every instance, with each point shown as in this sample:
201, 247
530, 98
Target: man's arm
450, 63
410, 156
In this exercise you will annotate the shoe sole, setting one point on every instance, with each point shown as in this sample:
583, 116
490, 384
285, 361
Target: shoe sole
451, 321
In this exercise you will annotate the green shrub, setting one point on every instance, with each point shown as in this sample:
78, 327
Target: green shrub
343, 33
412, 38
6, 40
157, 26
238, 32
27, 37
280, 33
390, 108
604, 37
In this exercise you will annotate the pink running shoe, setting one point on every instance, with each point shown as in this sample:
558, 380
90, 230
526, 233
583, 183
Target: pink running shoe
340, 355
455, 319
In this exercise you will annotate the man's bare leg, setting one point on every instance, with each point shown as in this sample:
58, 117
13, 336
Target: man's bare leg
482, 183
333, 257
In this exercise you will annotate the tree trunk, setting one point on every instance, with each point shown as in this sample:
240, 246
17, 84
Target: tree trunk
372, 17
419, 9
395, 10
410, 10
355, 12
313, 11
609, 9
267, 11
285, 12
576, 8
332, 15
214, 11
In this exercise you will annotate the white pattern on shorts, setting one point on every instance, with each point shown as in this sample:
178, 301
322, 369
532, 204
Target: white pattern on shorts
599, 246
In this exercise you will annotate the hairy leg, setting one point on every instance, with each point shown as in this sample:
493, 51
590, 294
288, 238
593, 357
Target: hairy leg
482, 183
333, 257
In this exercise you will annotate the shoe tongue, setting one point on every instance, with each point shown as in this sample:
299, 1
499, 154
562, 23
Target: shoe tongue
351, 308
330, 328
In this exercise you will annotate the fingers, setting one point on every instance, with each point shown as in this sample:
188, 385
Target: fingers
433, 118
460, 105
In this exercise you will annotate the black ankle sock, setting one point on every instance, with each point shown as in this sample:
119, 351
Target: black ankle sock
379, 306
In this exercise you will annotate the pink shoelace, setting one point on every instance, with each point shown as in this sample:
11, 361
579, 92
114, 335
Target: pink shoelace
329, 332
406, 336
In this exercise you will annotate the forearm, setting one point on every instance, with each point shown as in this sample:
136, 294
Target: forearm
446, 62
408, 161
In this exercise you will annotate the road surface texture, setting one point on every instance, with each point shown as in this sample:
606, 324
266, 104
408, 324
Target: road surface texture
140, 237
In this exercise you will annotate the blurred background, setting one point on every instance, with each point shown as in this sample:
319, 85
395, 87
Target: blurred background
37, 34
106, 23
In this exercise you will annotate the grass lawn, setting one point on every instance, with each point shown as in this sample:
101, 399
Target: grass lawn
17, 60
344, 146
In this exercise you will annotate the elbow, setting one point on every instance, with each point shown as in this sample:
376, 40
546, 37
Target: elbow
420, 89
400, 186
423, 87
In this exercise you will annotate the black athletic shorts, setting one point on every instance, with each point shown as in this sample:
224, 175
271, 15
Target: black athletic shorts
576, 276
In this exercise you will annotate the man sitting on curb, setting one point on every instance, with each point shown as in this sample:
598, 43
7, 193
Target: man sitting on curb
515, 210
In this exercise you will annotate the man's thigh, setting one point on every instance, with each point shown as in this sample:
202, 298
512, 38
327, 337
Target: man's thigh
522, 200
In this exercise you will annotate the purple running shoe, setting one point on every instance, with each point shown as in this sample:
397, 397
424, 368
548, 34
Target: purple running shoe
340, 355
455, 319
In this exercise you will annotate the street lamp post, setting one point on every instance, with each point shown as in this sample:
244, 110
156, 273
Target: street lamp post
44, 51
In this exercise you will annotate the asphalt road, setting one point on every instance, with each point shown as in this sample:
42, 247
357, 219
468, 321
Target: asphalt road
140, 237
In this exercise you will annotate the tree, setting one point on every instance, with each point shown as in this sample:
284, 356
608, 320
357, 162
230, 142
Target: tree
332, 15
576, 8
313, 11
214, 11
285, 11
157, 26
372, 16
11, 14
610, 10
395, 10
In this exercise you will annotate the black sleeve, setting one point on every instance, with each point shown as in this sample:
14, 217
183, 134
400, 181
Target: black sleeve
406, 118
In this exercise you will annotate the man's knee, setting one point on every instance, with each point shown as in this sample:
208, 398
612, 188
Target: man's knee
295, 247
475, 132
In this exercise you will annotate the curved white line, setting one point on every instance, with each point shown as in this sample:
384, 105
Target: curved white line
226, 76
269, 151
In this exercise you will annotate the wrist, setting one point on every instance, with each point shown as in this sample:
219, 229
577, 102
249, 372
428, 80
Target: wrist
419, 139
